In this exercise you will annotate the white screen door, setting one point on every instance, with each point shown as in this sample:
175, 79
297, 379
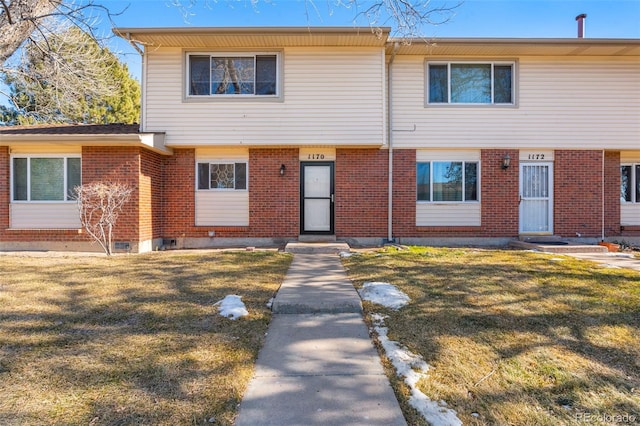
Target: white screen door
317, 197
536, 198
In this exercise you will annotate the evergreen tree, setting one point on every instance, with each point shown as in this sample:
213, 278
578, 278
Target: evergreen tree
76, 81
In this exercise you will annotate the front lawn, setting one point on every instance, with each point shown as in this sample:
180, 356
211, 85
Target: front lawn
130, 339
514, 337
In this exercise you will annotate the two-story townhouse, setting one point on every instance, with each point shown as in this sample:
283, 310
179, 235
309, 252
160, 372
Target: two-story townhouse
257, 136
516, 137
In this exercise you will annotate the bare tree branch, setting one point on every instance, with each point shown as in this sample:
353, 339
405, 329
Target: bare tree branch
100, 204
19, 19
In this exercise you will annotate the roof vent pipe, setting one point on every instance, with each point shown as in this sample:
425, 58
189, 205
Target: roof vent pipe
580, 18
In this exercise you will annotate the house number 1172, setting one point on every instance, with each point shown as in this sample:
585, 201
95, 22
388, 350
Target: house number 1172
536, 157
315, 157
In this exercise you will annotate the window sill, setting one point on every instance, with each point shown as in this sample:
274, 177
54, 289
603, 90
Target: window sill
447, 203
232, 98
497, 106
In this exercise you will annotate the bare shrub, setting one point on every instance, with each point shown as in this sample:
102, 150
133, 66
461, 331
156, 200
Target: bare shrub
100, 204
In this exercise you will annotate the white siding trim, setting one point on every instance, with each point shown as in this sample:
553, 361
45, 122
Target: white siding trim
222, 208
629, 214
50, 215
460, 214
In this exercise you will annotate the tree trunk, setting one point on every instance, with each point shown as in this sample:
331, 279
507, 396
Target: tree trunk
18, 20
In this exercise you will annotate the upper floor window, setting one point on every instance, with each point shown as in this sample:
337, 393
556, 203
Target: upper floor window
470, 83
45, 178
233, 74
630, 183
447, 181
229, 176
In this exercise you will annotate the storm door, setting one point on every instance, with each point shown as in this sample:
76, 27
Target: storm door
316, 195
536, 198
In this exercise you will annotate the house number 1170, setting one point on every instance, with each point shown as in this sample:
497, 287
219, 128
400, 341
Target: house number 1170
315, 157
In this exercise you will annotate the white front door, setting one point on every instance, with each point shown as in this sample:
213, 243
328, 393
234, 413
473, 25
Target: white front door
317, 198
536, 198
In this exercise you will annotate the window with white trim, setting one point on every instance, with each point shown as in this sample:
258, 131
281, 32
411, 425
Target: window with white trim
470, 83
630, 183
447, 181
232, 74
222, 176
50, 178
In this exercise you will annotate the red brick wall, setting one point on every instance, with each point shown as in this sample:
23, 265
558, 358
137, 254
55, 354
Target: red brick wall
117, 164
178, 195
499, 193
361, 188
150, 195
274, 200
612, 194
578, 193
404, 193
98, 163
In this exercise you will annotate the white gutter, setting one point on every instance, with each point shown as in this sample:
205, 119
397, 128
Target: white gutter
396, 45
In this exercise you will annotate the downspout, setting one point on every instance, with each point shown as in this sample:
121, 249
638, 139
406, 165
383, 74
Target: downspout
396, 46
143, 93
603, 194
143, 76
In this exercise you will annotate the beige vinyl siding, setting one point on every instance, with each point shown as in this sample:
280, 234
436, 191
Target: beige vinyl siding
629, 212
564, 103
222, 207
330, 97
435, 214
448, 214
44, 216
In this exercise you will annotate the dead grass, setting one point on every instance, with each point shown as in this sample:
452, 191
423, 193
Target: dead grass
130, 339
519, 338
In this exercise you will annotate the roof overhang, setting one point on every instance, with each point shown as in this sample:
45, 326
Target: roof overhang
151, 141
255, 37
515, 47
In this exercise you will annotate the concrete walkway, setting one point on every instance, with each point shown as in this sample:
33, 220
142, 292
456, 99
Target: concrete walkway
619, 260
318, 365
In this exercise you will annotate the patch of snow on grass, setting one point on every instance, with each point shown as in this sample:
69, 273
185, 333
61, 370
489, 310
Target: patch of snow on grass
346, 254
412, 368
232, 307
384, 294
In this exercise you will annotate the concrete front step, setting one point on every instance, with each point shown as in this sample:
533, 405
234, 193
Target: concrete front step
556, 247
316, 248
316, 238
